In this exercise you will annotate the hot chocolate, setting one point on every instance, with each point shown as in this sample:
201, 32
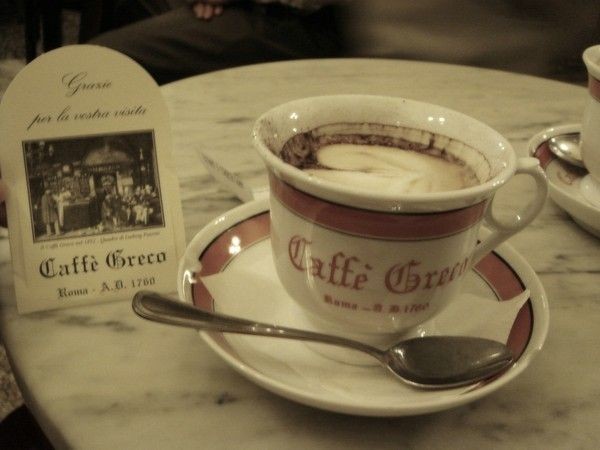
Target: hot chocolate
379, 162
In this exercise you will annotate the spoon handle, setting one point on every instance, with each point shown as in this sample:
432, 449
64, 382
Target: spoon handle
158, 308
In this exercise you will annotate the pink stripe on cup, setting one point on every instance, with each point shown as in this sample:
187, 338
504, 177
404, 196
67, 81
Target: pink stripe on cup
594, 87
374, 224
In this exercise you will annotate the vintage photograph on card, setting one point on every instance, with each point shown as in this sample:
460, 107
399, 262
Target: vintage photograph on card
92, 185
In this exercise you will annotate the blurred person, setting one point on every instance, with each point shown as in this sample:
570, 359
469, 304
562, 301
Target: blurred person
538, 37
111, 206
180, 38
49, 207
188, 37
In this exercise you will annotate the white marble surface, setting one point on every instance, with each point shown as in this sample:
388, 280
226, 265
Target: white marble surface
99, 377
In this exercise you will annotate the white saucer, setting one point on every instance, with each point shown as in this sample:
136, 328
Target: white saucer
565, 179
292, 370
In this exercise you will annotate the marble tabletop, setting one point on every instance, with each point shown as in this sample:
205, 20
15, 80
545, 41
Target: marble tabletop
100, 377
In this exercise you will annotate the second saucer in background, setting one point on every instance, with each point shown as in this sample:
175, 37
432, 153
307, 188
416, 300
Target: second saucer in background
565, 179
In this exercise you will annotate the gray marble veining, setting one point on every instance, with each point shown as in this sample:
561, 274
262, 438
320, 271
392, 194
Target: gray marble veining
99, 377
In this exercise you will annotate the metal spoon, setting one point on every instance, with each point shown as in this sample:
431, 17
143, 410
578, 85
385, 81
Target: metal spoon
567, 147
426, 362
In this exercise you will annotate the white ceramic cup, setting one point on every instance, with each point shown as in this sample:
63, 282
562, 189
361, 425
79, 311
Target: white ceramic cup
378, 263
590, 128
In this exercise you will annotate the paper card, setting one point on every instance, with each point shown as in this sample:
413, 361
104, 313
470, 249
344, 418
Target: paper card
93, 205
253, 186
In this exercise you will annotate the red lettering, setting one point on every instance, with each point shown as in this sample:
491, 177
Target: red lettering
359, 281
405, 278
339, 303
443, 275
428, 277
401, 278
316, 268
333, 267
339, 271
346, 271
297, 251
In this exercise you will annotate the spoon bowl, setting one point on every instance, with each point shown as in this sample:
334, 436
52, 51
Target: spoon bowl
427, 362
567, 147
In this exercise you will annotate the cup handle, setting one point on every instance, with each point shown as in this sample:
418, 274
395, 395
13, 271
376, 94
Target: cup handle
502, 229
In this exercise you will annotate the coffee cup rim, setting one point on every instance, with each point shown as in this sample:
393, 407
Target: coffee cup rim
382, 201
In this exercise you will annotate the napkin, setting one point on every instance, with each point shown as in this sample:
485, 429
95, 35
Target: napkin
247, 182
473, 315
